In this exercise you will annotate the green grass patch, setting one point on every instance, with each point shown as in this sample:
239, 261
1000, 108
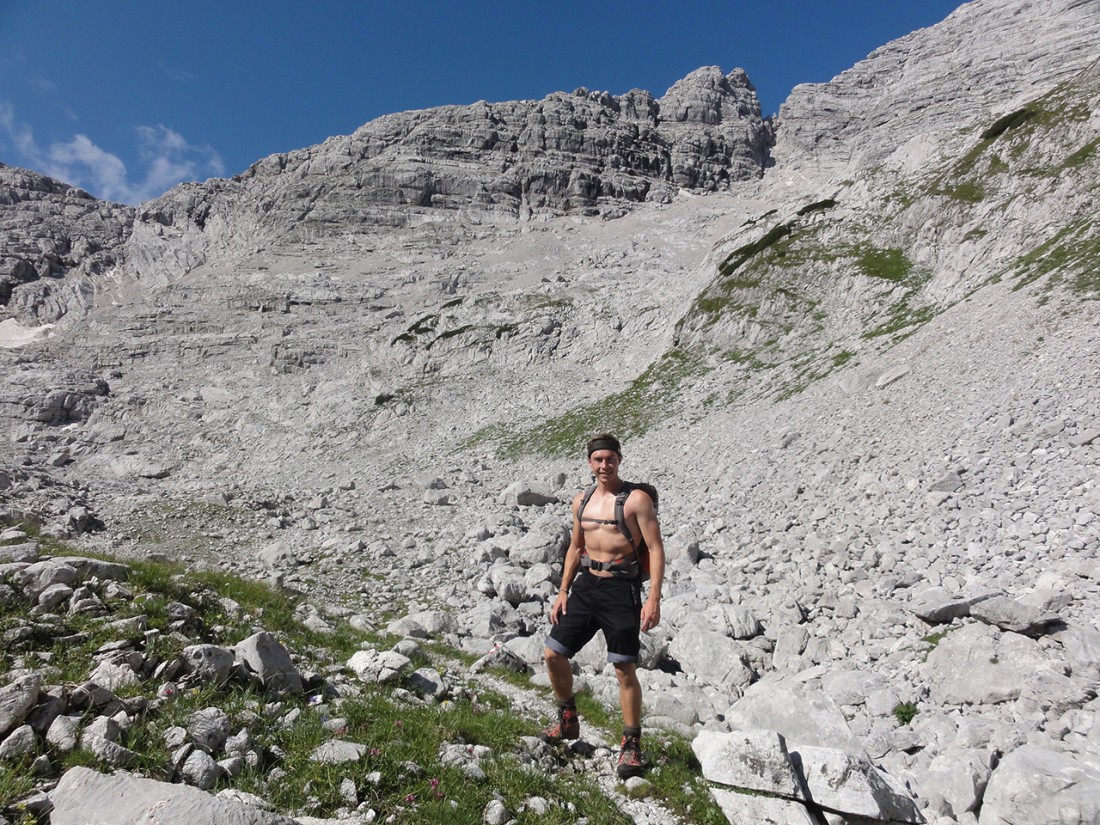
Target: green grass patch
676, 776
842, 358
645, 403
1070, 256
966, 192
888, 264
1082, 156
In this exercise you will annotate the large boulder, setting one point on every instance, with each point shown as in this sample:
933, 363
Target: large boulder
1035, 786
978, 665
87, 797
803, 715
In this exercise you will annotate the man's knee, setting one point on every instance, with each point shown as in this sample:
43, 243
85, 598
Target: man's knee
552, 657
626, 672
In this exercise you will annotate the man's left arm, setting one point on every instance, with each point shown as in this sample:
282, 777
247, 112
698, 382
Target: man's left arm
651, 532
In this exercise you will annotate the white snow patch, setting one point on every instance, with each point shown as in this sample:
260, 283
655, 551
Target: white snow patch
13, 334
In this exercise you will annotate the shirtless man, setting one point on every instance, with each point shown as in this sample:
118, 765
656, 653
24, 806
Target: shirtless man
602, 598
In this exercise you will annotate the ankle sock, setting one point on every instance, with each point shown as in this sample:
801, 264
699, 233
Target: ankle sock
633, 731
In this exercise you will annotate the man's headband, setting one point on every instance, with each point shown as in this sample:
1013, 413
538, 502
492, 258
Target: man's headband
603, 444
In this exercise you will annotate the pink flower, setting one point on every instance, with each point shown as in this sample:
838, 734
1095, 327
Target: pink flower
410, 797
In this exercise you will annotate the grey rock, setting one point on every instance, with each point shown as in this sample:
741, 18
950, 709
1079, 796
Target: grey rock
278, 556
428, 682
262, 655
64, 733
979, 665
89, 568
936, 606
338, 751
522, 494
740, 807
25, 552
41, 575
16, 701
19, 743
208, 663
384, 668
850, 785
891, 375
712, 657
754, 760
54, 596
114, 676
1010, 614
209, 729
802, 715
110, 753
200, 770
960, 777
1035, 785
86, 797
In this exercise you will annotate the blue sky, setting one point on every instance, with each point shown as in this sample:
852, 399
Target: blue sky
126, 98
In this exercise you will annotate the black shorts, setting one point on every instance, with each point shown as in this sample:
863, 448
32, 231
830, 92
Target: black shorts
612, 605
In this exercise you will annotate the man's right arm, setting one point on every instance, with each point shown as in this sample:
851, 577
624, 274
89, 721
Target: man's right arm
570, 566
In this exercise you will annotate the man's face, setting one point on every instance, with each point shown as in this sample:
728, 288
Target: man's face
604, 464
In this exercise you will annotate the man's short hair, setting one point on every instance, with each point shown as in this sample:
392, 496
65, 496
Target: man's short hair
604, 441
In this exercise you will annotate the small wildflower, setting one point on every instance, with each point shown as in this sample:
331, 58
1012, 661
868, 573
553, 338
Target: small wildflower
399, 724
410, 797
375, 752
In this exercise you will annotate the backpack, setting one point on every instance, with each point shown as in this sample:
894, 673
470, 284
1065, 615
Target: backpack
637, 568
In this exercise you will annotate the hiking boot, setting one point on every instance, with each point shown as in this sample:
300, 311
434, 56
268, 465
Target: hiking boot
568, 726
630, 757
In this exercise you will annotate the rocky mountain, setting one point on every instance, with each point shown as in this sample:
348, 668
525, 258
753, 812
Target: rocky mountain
856, 349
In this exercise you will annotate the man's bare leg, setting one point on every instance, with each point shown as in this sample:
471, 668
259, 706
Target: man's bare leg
630, 693
560, 673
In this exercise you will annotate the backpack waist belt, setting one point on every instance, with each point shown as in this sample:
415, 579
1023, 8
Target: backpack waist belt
626, 566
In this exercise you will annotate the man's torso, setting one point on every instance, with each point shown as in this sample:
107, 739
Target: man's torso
603, 541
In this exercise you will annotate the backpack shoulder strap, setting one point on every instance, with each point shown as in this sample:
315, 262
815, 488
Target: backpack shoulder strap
620, 507
585, 499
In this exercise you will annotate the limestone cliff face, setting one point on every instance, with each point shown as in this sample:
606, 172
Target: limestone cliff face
585, 153
52, 236
987, 58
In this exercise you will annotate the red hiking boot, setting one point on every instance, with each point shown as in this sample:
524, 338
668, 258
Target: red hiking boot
568, 726
630, 757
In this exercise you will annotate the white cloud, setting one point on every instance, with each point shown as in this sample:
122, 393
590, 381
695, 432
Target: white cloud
165, 158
